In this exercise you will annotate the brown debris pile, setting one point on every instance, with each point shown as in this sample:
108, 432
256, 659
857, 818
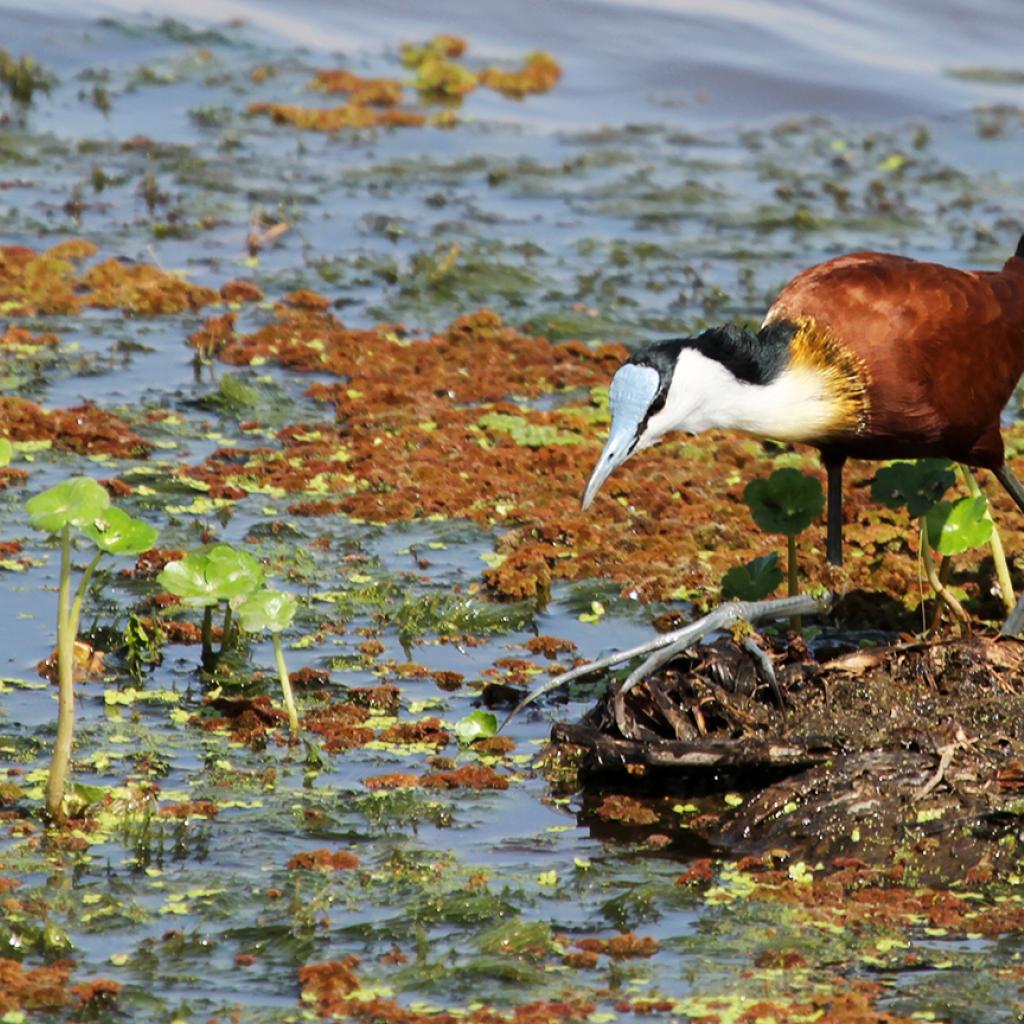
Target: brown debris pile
323, 860
331, 119
46, 988
923, 739
467, 777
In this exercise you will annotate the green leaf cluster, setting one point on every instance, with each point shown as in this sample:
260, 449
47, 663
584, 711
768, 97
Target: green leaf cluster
529, 435
956, 526
78, 503
207, 576
916, 485
787, 502
83, 503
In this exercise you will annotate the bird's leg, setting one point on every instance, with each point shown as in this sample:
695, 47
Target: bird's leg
834, 469
1013, 486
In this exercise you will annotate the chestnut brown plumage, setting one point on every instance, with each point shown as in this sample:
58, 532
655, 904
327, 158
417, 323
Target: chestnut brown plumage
869, 355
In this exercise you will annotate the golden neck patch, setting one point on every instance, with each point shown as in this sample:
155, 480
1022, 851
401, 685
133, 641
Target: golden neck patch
846, 377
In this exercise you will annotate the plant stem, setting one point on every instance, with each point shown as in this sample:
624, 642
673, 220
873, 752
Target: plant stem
207, 655
226, 643
998, 554
57, 780
286, 685
76, 607
941, 591
794, 581
1002, 570
945, 571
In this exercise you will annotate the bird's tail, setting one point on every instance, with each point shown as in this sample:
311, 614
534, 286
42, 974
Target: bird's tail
1020, 248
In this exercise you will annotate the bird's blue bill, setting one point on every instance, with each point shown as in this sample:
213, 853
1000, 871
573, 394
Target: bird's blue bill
629, 398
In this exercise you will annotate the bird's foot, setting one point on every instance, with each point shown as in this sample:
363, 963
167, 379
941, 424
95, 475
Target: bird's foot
663, 648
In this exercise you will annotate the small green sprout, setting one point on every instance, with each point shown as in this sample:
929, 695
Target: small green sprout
476, 725
206, 577
273, 610
6, 451
787, 503
83, 504
755, 580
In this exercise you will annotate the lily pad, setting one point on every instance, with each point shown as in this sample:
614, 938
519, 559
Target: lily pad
204, 578
73, 502
787, 502
955, 526
118, 533
268, 609
476, 725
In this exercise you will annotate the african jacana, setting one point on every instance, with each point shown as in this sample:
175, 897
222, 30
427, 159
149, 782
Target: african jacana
869, 355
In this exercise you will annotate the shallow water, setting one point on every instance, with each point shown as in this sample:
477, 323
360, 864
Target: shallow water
679, 173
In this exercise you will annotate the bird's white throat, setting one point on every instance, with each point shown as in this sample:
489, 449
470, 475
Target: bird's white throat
796, 406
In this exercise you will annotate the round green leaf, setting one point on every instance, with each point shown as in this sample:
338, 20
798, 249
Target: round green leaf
918, 485
6, 451
476, 725
74, 502
268, 609
787, 502
118, 533
210, 575
753, 581
235, 573
186, 578
955, 526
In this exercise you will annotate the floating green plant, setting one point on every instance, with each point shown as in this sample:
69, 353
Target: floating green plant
23, 77
918, 485
83, 504
206, 577
475, 726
